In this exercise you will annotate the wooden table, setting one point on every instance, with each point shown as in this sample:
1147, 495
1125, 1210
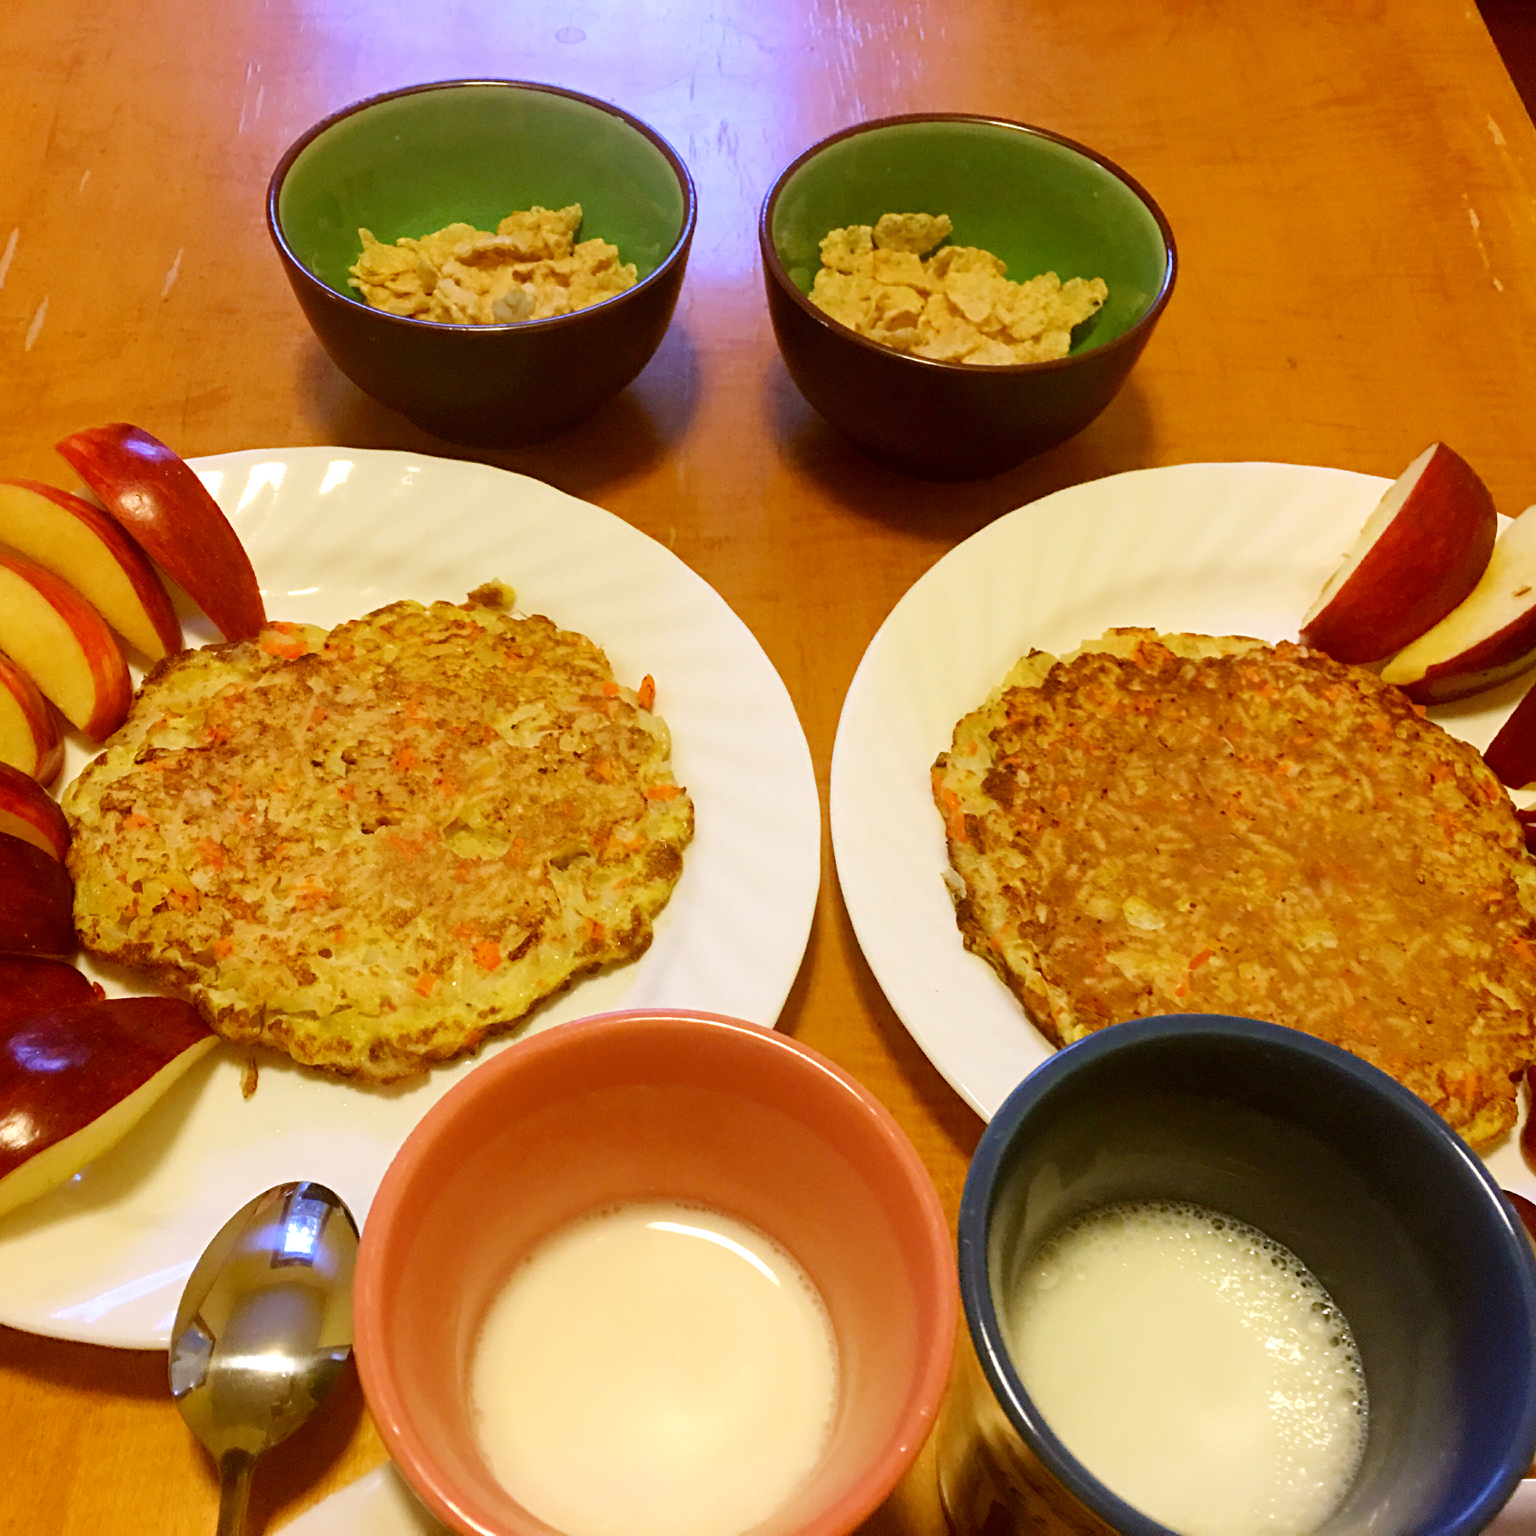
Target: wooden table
1353, 190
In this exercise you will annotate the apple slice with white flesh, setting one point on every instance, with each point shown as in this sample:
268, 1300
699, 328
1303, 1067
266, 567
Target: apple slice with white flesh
156, 495
1419, 554
31, 984
90, 550
37, 901
75, 1079
30, 738
1484, 640
64, 645
29, 812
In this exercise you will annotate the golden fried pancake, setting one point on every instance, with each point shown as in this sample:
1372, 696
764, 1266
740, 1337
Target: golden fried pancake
1176, 823
372, 848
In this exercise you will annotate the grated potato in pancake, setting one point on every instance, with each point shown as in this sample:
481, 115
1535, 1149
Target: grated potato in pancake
1180, 823
372, 848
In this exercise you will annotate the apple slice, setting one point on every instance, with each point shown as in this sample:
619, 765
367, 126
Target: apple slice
30, 738
1512, 752
1522, 1207
75, 1079
29, 984
90, 550
37, 901
1484, 640
29, 812
1420, 552
64, 645
156, 495
1527, 820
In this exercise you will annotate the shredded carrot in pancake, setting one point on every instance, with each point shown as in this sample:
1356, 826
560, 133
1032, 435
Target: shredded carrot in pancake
1181, 823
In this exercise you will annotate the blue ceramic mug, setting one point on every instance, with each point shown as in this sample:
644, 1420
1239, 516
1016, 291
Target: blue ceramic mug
1394, 1215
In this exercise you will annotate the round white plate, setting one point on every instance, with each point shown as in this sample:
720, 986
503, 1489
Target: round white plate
334, 533
1210, 548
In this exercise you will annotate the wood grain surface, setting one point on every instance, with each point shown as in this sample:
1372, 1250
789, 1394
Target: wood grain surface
1352, 184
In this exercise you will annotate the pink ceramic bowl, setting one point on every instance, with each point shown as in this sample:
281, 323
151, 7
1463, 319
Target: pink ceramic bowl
644, 1106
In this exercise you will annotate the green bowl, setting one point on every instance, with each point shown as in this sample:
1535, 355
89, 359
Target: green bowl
1038, 201
409, 162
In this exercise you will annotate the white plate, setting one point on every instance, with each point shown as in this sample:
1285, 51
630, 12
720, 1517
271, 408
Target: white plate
1210, 548
334, 533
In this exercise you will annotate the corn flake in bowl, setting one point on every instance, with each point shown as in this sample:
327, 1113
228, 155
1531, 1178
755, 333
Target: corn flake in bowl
1035, 203
441, 164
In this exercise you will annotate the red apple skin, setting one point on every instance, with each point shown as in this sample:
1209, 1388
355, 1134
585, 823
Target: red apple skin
1527, 820
81, 544
29, 812
155, 494
100, 659
1422, 564
1488, 638
30, 738
66, 1067
1512, 752
30, 985
1493, 663
37, 901
1521, 1206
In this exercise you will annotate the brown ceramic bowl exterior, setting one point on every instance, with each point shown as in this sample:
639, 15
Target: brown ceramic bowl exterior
953, 421
643, 1106
490, 386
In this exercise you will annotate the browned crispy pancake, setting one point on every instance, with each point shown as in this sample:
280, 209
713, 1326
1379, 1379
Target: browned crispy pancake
1176, 823
373, 848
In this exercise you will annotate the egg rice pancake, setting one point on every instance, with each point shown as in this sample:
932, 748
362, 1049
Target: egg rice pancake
371, 848
1178, 823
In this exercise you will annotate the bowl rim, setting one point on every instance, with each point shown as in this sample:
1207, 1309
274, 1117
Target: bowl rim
1134, 336
981, 1183
392, 1413
677, 252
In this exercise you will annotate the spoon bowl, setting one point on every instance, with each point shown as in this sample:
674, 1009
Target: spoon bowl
263, 1330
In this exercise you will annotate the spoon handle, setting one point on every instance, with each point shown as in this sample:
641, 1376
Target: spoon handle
235, 1468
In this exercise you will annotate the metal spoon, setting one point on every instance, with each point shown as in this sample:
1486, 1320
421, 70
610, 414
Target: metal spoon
263, 1330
